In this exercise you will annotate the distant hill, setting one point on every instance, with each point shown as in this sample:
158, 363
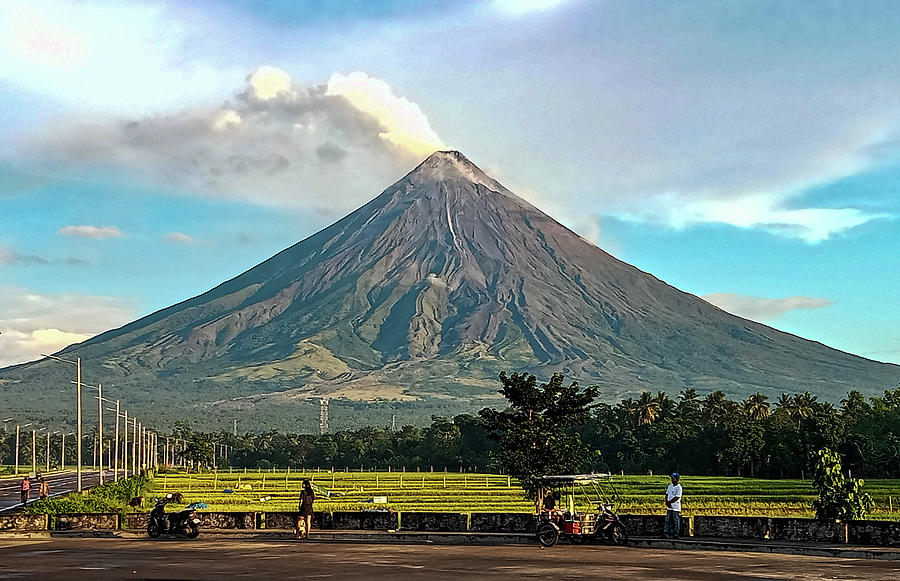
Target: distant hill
423, 296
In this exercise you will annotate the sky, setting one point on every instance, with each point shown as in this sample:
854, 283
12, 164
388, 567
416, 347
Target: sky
748, 153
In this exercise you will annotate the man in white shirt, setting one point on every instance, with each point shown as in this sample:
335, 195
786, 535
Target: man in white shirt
673, 508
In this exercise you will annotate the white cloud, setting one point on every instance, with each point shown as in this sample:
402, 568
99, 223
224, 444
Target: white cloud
181, 238
404, 123
99, 232
268, 83
762, 309
521, 7
32, 323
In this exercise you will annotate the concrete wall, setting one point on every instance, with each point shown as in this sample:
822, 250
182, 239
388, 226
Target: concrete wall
85, 521
434, 521
503, 522
23, 522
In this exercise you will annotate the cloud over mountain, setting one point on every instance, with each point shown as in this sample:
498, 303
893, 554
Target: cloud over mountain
762, 309
322, 147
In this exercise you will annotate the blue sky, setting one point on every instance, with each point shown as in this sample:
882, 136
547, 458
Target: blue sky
744, 152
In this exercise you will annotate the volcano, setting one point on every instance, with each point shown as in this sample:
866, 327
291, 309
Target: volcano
428, 292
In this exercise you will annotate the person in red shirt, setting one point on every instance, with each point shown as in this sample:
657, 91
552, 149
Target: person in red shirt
26, 490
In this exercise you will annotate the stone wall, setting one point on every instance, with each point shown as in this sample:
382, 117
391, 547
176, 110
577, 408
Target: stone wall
227, 520
732, 527
137, 520
651, 525
86, 521
23, 522
287, 520
873, 532
434, 521
365, 521
806, 530
503, 522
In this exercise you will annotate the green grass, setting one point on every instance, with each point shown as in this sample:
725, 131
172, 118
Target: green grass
454, 492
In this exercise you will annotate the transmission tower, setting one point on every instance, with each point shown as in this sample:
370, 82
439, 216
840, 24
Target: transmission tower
323, 416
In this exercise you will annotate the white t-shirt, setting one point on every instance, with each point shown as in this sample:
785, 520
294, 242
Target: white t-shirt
671, 492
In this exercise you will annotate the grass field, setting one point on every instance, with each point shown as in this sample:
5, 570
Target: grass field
453, 492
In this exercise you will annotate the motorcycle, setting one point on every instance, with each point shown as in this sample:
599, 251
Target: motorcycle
185, 522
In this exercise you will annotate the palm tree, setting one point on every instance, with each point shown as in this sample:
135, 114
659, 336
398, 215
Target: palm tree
646, 409
804, 405
757, 406
715, 406
666, 405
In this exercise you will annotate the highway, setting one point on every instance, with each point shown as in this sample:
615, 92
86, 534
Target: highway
60, 483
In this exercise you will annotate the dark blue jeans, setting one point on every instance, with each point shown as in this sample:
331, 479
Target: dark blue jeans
673, 523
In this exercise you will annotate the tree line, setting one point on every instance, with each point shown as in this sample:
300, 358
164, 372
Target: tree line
705, 435
556, 427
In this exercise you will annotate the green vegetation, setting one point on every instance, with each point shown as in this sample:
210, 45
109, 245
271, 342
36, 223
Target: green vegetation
534, 430
111, 497
840, 496
455, 492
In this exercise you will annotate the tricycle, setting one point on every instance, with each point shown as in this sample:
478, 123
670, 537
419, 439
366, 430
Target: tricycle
554, 522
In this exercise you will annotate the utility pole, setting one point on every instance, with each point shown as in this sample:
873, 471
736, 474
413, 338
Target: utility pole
125, 445
235, 427
47, 455
33, 450
116, 469
100, 430
62, 452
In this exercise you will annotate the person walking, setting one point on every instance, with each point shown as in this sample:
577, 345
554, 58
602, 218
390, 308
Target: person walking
26, 489
44, 489
307, 497
672, 527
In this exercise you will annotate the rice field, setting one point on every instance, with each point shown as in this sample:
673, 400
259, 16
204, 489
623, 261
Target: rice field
453, 492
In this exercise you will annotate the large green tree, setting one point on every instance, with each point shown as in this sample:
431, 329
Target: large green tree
536, 432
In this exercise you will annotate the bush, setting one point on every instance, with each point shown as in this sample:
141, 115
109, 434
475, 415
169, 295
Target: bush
840, 497
112, 497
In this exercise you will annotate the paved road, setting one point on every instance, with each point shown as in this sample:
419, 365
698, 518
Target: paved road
86, 558
59, 484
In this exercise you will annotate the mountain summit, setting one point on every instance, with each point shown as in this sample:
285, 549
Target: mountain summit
428, 292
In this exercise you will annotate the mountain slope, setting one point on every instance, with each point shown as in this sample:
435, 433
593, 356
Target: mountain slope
431, 289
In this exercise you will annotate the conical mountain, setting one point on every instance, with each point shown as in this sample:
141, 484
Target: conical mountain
431, 289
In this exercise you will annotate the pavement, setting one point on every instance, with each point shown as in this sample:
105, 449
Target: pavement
60, 483
217, 558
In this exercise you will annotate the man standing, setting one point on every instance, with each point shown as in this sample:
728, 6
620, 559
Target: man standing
673, 508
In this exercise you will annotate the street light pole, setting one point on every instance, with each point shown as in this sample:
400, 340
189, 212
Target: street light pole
48, 451
125, 445
77, 364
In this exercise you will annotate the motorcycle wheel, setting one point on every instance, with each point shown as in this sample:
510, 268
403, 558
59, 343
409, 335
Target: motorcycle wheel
547, 535
618, 535
153, 530
191, 530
